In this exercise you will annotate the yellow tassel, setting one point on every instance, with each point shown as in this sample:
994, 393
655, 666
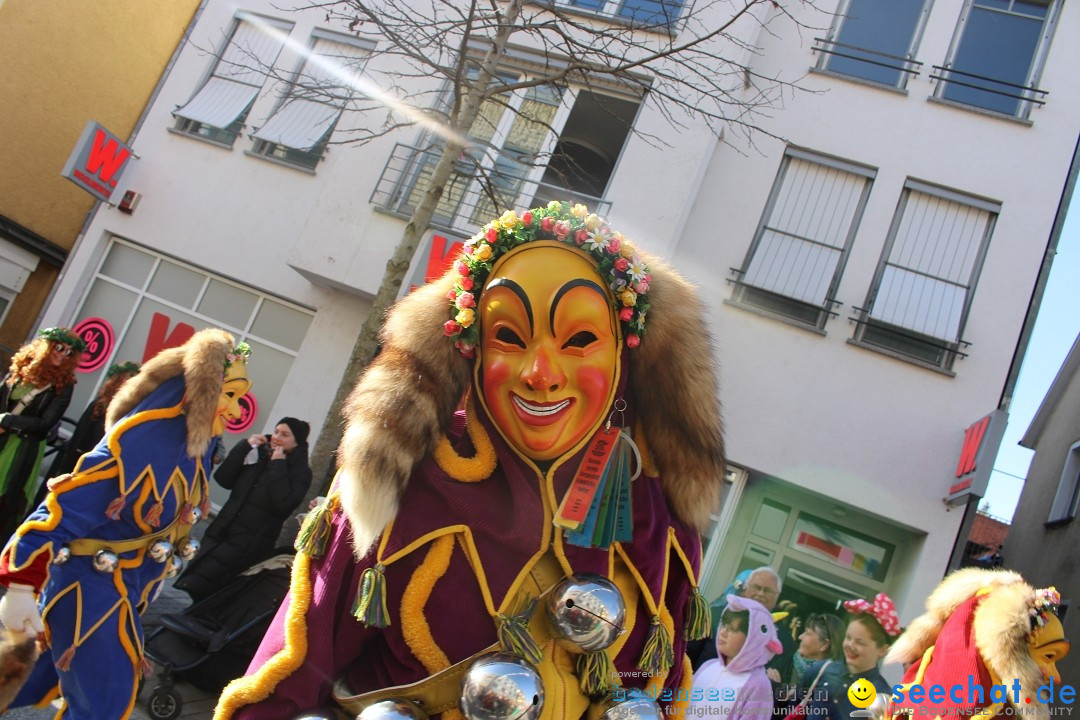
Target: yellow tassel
315, 533
595, 672
514, 634
697, 617
63, 663
371, 599
657, 655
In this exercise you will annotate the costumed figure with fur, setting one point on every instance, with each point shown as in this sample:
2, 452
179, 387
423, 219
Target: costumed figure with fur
33, 397
89, 560
554, 521
983, 629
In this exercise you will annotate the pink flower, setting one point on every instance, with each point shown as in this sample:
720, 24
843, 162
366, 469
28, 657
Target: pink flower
450, 328
626, 314
467, 249
561, 228
613, 246
465, 300
546, 224
621, 264
465, 348
452, 295
581, 236
466, 283
632, 340
462, 267
641, 288
527, 218
492, 235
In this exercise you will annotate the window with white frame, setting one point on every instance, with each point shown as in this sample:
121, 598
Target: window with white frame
526, 148
1068, 492
647, 13
797, 257
922, 290
300, 127
874, 40
218, 110
997, 55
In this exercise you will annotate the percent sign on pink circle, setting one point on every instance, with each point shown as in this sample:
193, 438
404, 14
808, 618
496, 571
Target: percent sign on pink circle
249, 408
99, 337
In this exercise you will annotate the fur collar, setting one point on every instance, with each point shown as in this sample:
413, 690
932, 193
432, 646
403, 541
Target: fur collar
201, 361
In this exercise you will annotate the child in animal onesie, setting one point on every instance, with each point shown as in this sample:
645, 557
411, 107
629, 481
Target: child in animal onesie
445, 530
89, 560
735, 684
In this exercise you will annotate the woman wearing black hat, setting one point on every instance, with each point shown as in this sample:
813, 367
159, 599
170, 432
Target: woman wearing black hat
268, 476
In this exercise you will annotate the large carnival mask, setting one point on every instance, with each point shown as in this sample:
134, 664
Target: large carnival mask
1047, 645
549, 348
234, 387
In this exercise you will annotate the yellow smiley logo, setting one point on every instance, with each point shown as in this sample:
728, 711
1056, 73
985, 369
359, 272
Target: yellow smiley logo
862, 693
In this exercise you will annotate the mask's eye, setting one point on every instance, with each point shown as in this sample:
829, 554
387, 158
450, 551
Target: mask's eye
580, 340
508, 336
764, 630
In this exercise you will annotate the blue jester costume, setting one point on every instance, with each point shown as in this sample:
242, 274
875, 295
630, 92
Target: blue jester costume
100, 546
446, 529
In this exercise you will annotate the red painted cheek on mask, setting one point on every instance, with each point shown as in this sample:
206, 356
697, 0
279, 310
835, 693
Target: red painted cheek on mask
594, 384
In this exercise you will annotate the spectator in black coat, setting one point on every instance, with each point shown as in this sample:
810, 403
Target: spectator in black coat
268, 476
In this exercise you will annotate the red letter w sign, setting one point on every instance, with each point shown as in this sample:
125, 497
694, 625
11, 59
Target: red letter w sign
97, 161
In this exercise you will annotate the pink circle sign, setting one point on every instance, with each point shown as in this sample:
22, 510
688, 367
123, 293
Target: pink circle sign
249, 408
98, 335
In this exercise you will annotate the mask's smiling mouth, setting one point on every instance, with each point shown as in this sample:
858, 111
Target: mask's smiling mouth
539, 413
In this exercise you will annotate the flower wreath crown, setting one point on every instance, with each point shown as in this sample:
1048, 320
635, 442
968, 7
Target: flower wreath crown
63, 335
115, 369
1045, 601
616, 260
239, 353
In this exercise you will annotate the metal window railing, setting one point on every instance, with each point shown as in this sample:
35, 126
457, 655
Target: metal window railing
1026, 93
474, 195
859, 54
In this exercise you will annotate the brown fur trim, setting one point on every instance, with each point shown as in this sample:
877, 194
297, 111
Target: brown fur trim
18, 653
201, 360
1002, 623
399, 409
953, 591
673, 374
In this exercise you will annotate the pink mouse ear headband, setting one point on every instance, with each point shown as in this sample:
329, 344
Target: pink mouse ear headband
881, 609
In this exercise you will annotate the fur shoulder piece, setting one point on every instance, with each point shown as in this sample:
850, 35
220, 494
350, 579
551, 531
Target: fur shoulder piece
674, 377
399, 409
201, 361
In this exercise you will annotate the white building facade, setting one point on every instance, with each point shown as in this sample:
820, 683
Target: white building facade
869, 263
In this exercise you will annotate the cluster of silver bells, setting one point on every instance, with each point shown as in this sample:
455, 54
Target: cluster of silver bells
586, 613
161, 551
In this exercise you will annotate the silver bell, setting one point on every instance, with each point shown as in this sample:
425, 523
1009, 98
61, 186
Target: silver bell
641, 707
392, 709
160, 550
321, 714
175, 566
501, 686
106, 561
62, 555
188, 548
586, 612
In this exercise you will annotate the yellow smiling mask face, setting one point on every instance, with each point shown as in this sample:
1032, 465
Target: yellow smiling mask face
1047, 645
549, 348
234, 387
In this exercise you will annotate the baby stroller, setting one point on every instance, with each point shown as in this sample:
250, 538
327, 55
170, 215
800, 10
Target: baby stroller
212, 642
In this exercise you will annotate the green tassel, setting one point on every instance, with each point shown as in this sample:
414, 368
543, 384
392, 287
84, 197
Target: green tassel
315, 533
595, 672
697, 617
371, 600
658, 655
514, 634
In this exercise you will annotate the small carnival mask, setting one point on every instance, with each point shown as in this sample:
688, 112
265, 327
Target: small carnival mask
1047, 645
234, 387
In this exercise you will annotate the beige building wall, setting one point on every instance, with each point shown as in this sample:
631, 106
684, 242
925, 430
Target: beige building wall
64, 63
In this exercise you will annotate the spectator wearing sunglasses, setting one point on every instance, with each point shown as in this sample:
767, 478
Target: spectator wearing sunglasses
33, 397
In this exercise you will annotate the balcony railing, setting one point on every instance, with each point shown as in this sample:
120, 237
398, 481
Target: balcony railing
1008, 95
473, 196
867, 64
